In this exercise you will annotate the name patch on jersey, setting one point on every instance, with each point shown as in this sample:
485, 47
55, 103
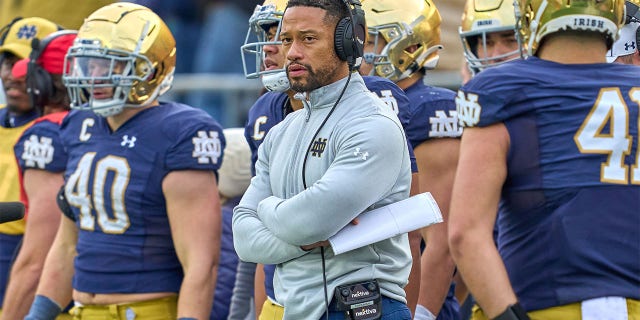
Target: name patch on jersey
445, 126
468, 109
38, 152
318, 146
207, 147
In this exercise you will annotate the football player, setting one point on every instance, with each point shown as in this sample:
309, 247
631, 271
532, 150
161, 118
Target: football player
15, 117
42, 160
550, 148
266, 58
489, 38
488, 34
403, 42
142, 239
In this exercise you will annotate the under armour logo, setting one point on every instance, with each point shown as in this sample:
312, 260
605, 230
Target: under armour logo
445, 126
27, 32
360, 154
38, 152
318, 147
207, 147
468, 109
126, 142
389, 99
629, 45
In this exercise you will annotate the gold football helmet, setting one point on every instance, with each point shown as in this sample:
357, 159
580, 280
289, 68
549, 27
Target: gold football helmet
402, 24
539, 18
125, 48
263, 18
480, 18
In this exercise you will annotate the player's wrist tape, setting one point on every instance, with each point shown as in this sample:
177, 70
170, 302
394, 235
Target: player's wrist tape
423, 313
513, 312
43, 308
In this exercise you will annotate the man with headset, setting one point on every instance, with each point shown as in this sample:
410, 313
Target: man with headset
349, 155
42, 160
15, 117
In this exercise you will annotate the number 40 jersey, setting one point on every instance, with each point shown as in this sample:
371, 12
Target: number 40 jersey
114, 186
569, 216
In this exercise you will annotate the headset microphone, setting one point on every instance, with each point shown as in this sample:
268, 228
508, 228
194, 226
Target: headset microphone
11, 211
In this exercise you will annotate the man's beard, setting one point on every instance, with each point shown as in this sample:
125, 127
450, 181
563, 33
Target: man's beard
314, 79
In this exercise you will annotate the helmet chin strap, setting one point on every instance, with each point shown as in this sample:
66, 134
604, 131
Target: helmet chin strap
276, 81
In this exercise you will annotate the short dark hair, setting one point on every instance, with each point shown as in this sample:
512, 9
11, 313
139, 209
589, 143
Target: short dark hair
59, 96
336, 9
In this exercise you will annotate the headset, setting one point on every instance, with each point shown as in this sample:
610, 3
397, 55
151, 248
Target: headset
39, 83
349, 45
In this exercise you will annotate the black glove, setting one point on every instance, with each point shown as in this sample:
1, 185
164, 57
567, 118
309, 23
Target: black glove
513, 312
64, 206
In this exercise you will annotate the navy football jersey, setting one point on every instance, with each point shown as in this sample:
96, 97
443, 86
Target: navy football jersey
433, 114
270, 109
569, 213
114, 187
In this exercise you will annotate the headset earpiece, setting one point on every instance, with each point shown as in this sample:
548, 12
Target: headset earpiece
349, 35
39, 82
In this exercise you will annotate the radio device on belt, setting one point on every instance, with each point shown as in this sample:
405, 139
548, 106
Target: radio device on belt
359, 301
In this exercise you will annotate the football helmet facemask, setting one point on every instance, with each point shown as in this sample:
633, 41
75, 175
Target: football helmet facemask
539, 18
264, 17
402, 24
124, 56
479, 19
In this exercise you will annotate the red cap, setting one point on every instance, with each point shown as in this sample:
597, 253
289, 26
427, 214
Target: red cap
51, 59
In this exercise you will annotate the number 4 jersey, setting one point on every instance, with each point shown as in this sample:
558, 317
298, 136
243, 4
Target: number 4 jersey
569, 221
114, 187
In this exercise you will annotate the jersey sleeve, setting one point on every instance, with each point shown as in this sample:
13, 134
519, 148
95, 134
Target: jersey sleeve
40, 147
434, 116
199, 144
483, 101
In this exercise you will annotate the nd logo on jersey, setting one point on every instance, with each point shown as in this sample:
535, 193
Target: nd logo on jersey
468, 109
37, 153
207, 147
